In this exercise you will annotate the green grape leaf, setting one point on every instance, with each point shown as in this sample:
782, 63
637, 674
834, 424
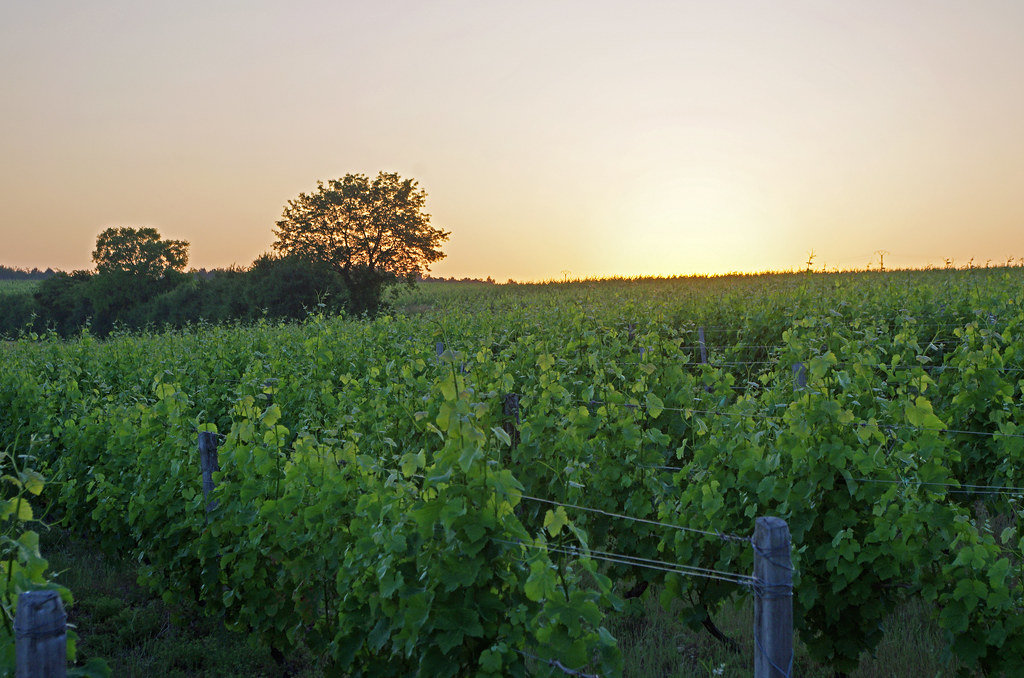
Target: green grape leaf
555, 520
654, 405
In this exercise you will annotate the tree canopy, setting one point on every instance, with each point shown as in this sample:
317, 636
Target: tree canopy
364, 228
138, 251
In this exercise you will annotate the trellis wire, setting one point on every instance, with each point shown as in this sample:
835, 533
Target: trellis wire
951, 487
787, 672
636, 561
775, 417
554, 663
720, 535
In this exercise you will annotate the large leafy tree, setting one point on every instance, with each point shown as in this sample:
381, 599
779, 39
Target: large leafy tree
372, 231
139, 252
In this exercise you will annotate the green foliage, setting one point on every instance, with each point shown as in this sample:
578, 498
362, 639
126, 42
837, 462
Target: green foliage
292, 288
22, 566
17, 288
138, 634
65, 302
274, 288
374, 502
18, 310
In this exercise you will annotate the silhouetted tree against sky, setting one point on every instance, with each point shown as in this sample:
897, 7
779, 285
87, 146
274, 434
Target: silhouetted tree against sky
371, 231
138, 251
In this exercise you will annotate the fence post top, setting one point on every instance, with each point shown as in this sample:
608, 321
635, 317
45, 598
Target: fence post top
31, 604
769, 523
38, 597
207, 441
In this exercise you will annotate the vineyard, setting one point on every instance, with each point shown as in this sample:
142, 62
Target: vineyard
472, 486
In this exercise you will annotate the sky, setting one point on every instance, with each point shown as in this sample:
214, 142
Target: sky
555, 139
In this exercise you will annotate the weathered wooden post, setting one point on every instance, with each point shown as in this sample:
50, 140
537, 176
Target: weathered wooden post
773, 599
799, 376
208, 463
40, 632
511, 410
703, 354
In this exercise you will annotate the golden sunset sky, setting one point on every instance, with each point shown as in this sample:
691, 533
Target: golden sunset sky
579, 138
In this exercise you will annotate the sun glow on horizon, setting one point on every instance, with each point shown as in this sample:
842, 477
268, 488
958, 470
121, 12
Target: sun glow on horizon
596, 138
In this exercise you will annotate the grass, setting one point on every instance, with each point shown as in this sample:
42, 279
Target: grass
655, 645
139, 635
18, 286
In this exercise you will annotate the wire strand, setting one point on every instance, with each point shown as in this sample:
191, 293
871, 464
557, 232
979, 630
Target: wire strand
634, 561
775, 417
720, 535
554, 663
953, 487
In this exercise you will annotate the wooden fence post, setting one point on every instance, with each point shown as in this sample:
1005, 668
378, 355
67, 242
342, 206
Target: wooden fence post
773, 599
511, 410
799, 376
703, 354
208, 463
40, 631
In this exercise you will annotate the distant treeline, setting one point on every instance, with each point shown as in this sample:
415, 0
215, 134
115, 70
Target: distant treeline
276, 288
7, 273
429, 278
273, 287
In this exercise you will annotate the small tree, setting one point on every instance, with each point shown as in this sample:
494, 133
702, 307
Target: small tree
133, 265
139, 252
373, 232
